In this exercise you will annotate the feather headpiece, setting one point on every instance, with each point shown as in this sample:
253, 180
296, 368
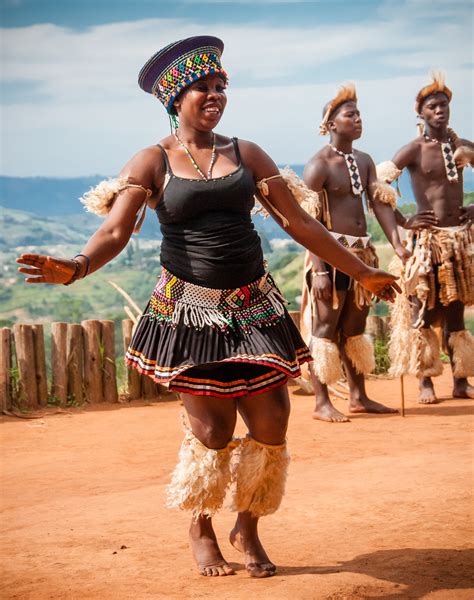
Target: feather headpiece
437, 85
346, 93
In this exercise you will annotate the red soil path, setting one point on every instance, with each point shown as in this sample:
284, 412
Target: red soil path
377, 508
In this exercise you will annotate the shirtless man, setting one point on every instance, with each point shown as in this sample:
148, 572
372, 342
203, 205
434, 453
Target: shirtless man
441, 268
340, 307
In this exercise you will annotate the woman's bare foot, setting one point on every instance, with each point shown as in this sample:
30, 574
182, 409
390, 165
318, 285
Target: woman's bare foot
365, 405
327, 412
427, 394
205, 549
244, 537
462, 389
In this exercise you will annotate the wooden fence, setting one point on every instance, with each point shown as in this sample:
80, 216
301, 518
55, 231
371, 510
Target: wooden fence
83, 364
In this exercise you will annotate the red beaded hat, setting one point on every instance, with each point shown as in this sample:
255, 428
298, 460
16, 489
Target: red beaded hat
168, 72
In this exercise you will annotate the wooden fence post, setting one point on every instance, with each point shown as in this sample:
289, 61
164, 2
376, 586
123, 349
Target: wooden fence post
109, 370
377, 327
40, 364
92, 361
133, 376
25, 356
59, 362
75, 363
5, 369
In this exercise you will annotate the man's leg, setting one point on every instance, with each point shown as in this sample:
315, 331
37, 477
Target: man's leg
459, 344
326, 367
357, 354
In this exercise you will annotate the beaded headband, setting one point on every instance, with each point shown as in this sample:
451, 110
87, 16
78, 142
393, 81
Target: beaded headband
346, 93
436, 86
173, 68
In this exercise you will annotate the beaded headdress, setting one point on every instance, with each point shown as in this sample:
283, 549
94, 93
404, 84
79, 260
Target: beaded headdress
437, 85
173, 68
346, 93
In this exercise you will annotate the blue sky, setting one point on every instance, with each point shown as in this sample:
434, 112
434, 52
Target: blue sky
71, 105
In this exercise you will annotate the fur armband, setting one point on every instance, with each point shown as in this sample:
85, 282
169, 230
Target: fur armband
463, 156
387, 171
383, 192
305, 197
99, 199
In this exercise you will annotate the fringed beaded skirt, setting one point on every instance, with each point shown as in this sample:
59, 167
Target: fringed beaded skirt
217, 342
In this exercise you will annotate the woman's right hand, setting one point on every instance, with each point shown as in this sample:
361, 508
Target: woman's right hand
46, 269
381, 284
321, 286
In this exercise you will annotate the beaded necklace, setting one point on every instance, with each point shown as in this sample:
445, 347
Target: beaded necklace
356, 182
191, 158
448, 157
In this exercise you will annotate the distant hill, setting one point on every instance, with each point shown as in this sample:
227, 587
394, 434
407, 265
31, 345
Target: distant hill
57, 216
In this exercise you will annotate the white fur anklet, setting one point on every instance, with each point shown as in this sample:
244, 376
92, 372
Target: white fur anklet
424, 358
259, 477
200, 479
360, 351
326, 360
462, 345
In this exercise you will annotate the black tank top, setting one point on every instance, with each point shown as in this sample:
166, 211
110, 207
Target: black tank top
208, 235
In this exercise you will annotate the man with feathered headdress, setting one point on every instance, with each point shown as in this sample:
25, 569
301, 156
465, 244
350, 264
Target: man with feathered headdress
439, 277
334, 307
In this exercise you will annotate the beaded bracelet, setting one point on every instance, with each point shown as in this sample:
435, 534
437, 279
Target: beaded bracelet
77, 270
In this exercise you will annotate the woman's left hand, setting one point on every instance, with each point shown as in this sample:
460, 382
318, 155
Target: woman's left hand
380, 283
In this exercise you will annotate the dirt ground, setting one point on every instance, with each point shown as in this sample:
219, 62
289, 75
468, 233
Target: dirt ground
377, 508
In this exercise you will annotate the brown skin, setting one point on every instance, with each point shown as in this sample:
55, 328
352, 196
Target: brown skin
439, 203
327, 170
200, 108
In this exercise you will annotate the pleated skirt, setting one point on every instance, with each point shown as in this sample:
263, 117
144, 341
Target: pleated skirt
216, 342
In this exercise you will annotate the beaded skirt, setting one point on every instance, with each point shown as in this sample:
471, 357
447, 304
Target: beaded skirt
217, 342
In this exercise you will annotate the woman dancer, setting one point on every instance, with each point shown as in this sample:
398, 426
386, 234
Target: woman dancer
215, 329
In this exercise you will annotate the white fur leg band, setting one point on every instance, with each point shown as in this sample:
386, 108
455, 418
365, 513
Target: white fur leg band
200, 480
259, 477
424, 359
326, 360
360, 351
462, 345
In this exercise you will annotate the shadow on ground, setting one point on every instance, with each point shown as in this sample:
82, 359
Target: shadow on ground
417, 571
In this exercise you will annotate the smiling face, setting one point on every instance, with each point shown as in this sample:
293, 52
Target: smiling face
346, 121
435, 110
202, 104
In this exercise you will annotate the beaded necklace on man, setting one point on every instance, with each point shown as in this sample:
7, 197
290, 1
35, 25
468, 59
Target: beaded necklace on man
354, 175
191, 158
448, 157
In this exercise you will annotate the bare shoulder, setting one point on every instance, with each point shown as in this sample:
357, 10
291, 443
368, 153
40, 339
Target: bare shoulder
316, 165
146, 167
257, 160
364, 156
409, 153
465, 142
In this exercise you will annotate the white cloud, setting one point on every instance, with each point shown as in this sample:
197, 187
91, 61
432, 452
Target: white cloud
92, 115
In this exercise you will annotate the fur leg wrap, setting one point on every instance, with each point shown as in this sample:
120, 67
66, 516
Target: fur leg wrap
462, 345
201, 477
424, 359
259, 477
326, 360
360, 351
